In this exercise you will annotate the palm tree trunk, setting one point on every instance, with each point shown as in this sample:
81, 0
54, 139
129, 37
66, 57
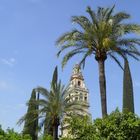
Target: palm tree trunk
102, 83
55, 132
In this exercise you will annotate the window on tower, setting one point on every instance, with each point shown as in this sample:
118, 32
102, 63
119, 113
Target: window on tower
79, 83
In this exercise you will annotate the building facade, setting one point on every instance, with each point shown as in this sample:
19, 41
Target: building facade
78, 92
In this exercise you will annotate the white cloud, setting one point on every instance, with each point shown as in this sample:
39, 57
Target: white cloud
10, 62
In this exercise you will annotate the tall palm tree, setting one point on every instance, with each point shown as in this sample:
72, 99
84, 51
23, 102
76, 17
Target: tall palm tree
102, 34
55, 104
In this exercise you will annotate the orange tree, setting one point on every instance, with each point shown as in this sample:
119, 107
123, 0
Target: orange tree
116, 126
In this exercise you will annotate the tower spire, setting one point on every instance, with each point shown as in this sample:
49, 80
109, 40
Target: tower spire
76, 73
77, 80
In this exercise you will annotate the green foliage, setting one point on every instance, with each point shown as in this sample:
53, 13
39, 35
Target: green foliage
1, 131
122, 126
128, 99
81, 128
45, 137
10, 134
116, 126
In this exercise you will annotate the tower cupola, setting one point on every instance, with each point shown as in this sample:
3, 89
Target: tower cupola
77, 80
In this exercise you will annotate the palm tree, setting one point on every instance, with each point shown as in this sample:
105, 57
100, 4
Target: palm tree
54, 105
102, 34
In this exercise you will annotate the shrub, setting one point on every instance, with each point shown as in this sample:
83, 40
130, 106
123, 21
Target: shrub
116, 126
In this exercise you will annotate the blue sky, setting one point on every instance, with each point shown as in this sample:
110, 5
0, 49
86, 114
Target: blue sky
28, 31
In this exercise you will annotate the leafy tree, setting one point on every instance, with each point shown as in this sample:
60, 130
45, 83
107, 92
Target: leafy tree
103, 34
31, 118
45, 137
119, 126
10, 134
128, 99
55, 105
81, 128
116, 126
1, 131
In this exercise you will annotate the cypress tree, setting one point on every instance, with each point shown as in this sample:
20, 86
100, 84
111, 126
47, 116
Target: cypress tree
31, 118
128, 99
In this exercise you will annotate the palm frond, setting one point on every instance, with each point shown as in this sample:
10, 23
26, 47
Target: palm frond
116, 60
30, 114
68, 36
21, 120
119, 17
43, 91
42, 102
72, 45
92, 16
131, 28
83, 21
133, 54
109, 12
82, 62
69, 55
128, 42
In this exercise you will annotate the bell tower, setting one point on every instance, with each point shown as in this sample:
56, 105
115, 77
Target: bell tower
77, 86
78, 92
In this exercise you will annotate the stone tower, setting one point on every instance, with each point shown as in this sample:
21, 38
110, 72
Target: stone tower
78, 92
